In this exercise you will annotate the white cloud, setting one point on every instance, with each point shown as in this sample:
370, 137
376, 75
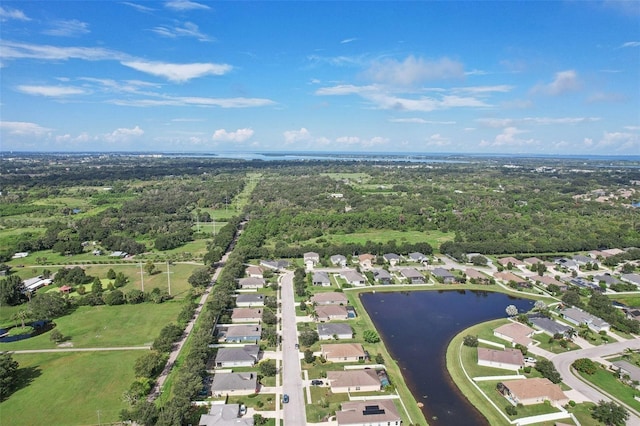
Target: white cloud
509, 137
419, 121
606, 97
632, 127
348, 40
631, 44
620, 141
413, 71
51, 91
348, 140
506, 122
346, 89
138, 7
239, 135
22, 128
179, 72
8, 13
564, 82
15, 50
197, 101
67, 138
182, 5
66, 28
338, 61
478, 90
123, 134
188, 29
438, 140
293, 136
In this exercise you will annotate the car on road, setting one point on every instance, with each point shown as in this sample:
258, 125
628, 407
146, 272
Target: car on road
317, 382
285, 398
530, 360
297, 346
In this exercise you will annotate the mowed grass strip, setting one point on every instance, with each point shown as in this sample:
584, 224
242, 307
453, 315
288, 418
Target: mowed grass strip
107, 326
70, 388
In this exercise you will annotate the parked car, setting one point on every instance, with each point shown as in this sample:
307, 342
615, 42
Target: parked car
285, 398
297, 346
530, 360
317, 382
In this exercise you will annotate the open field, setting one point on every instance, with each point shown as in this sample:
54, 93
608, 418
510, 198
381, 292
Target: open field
77, 388
107, 326
434, 238
605, 380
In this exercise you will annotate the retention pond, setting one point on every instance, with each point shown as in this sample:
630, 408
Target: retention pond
417, 327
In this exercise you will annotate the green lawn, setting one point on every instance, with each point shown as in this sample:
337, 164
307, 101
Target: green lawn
107, 326
605, 380
554, 345
70, 388
435, 238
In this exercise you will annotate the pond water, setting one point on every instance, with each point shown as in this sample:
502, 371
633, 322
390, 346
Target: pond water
39, 327
417, 327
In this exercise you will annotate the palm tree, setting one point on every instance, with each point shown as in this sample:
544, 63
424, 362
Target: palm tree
571, 333
21, 315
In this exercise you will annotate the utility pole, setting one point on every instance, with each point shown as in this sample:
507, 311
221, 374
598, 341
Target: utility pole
99, 422
141, 276
168, 278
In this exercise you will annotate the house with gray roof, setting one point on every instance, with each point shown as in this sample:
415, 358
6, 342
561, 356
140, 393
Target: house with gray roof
244, 356
382, 276
224, 415
321, 278
275, 265
607, 279
392, 258
580, 317
443, 275
338, 260
582, 259
549, 326
248, 283
417, 257
354, 278
234, 384
250, 300
631, 279
627, 368
328, 331
238, 333
412, 275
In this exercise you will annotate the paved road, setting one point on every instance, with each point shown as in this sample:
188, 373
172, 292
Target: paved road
563, 363
117, 348
294, 411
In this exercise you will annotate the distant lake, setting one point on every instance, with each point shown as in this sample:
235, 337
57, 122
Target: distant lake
417, 327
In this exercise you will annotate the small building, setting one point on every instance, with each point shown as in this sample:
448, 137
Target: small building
343, 352
321, 278
238, 333
339, 331
331, 312
626, 368
234, 384
580, 317
224, 415
505, 261
275, 265
631, 279
254, 271
366, 260
248, 315
392, 258
549, 326
310, 259
382, 276
330, 298
251, 283
443, 275
245, 356
353, 278
379, 412
347, 381
338, 260
530, 261
477, 276
417, 257
515, 333
412, 275
532, 391
507, 359
249, 300
20, 255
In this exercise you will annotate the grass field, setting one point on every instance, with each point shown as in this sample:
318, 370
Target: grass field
69, 388
605, 380
434, 238
107, 326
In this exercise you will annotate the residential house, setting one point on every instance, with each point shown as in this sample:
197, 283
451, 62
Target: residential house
366, 260
254, 271
379, 412
248, 315
507, 359
479, 277
633, 314
392, 258
251, 283
515, 333
567, 263
239, 333
607, 279
347, 381
353, 278
244, 356
612, 252
417, 257
234, 384
321, 278
275, 265
505, 261
343, 352
382, 276
341, 331
511, 277
530, 261
443, 275
329, 298
32, 284
331, 312
412, 275
250, 300
626, 368
338, 260
631, 279
533, 391
550, 326
224, 415
584, 283
311, 259
547, 280
581, 259
580, 317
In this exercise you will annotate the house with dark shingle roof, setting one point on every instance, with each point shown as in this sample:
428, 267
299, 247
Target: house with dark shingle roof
234, 384
382, 276
443, 275
321, 278
251, 283
245, 356
340, 330
412, 275
338, 260
392, 258
249, 300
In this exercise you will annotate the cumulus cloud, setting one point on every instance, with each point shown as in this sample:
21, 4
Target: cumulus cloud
51, 91
67, 28
179, 73
239, 135
509, 137
413, 71
438, 140
182, 5
620, 142
123, 134
188, 29
7, 13
293, 136
564, 82
23, 128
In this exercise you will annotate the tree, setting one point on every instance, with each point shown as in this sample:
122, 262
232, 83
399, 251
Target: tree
96, 286
539, 305
548, 370
268, 368
8, 368
308, 337
134, 296
610, 413
469, 340
149, 364
511, 310
10, 290
379, 359
111, 274
21, 315
200, 277
308, 356
370, 336
572, 297
115, 297
150, 267
47, 306
120, 280
585, 365
56, 336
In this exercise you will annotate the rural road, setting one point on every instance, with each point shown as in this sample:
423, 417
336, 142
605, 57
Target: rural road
294, 411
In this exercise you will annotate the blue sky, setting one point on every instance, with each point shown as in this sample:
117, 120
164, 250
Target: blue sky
534, 77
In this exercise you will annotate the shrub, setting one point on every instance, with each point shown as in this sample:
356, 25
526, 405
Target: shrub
471, 341
511, 410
